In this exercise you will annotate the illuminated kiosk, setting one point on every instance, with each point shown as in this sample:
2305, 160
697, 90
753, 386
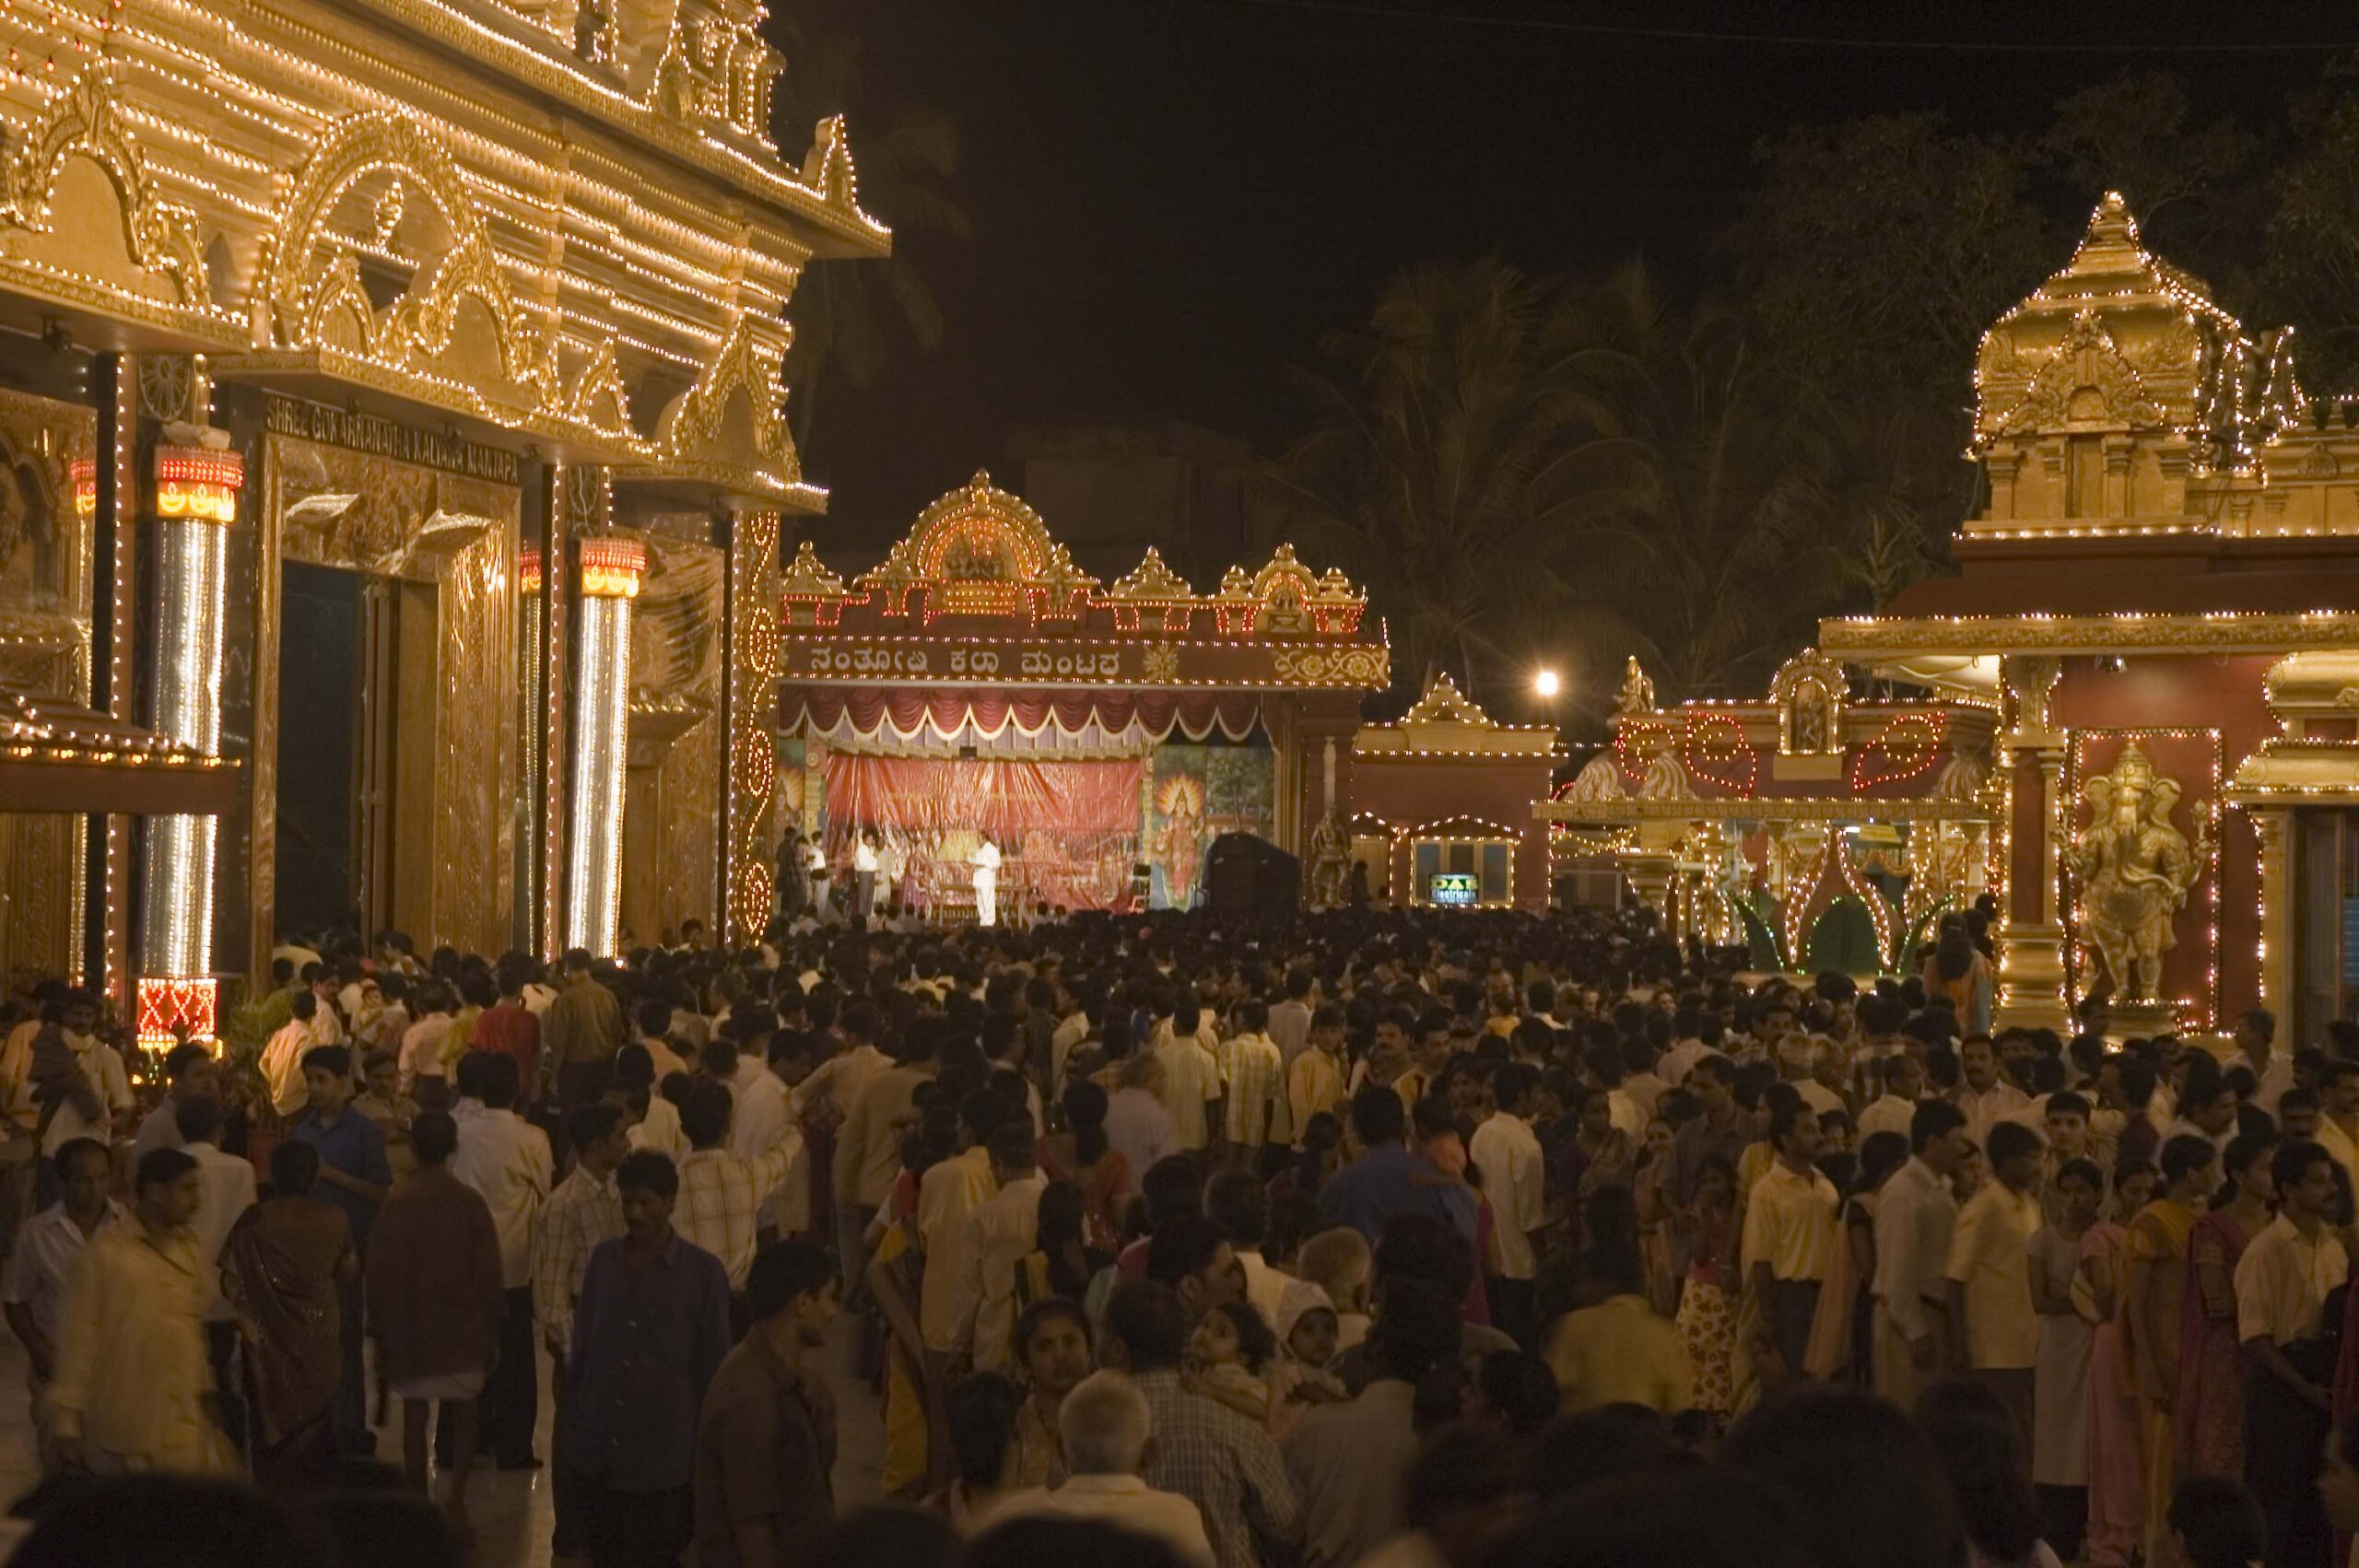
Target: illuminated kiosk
387, 347
2161, 590
977, 682
1823, 830
1446, 792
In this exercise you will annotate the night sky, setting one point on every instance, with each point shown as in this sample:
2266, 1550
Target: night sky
1172, 199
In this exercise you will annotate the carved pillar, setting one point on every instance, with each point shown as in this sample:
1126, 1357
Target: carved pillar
611, 569
2273, 826
2030, 943
753, 828
1650, 874
107, 951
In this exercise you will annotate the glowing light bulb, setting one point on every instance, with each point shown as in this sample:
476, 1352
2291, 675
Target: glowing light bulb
1546, 683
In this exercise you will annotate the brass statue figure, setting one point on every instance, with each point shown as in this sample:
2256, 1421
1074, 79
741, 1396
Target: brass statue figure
1331, 862
1638, 694
2135, 867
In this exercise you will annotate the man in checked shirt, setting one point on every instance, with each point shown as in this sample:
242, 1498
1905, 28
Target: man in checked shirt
720, 1193
584, 1211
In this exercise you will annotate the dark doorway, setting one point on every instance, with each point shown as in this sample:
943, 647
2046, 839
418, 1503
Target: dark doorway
319, 695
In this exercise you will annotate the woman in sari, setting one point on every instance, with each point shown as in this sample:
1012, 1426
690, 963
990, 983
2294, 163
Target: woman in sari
1956, 970
2116, 1504
1083, 1157
1841, 1330
2154, 1305
289, 1268
2209, 1424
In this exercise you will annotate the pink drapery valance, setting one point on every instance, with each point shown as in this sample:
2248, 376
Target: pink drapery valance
917, 716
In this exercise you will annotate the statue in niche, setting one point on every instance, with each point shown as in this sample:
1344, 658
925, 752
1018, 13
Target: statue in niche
1331, 862
1638, 694
2135, 867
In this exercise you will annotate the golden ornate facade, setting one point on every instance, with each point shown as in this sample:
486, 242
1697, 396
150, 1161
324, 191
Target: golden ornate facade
2160, 593
458, 289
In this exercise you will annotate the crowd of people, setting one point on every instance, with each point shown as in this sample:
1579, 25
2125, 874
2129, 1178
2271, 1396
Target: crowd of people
1419, 1240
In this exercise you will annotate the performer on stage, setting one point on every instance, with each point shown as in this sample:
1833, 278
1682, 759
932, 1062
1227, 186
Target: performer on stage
863, 875
986, 864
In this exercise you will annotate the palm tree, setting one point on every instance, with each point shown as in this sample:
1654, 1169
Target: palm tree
844, 310
1694, 500
1427, 430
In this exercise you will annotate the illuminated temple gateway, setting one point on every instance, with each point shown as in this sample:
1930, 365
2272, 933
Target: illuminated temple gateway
977, 682
2142, 734
2160, 599
394, 461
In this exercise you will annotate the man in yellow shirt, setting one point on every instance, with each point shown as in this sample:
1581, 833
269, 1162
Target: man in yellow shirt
1788, 1238
134, 1390
1315, 1082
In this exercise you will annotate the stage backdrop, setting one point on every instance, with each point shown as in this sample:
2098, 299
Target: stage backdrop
1194, 795
1068, 832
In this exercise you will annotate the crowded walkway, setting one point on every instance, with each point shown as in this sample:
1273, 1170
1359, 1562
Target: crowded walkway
1372, 1237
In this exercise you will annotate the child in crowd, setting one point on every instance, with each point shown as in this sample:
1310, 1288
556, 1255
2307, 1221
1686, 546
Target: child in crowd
1307, 1329
1228, 1356
1338, 1262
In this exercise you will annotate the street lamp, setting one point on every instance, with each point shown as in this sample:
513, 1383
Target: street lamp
1546, 683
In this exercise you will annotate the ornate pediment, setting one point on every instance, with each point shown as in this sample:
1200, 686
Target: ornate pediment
979, 550
79, 204
2084, 383
734, 414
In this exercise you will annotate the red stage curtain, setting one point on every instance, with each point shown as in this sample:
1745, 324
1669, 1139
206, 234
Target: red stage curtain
1068, 831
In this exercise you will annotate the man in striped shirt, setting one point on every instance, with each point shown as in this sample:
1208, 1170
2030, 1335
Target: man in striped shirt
1253, 1104
584, 1211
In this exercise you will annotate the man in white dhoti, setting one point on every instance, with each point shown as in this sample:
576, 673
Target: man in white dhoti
986, 863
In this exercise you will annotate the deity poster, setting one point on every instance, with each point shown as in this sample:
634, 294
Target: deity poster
1195, 793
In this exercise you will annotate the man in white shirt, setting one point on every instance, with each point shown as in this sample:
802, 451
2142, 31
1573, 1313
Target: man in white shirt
225, 1185
1994, 1333
420, 1055
32, 1289
1190, 1076
998, 1237
1985, 1097
2282, 1284
1290, 1019
947, 1198
2272, 1071
1915, 1220
1515, 1178
1105, 1425
188, 1075
1903, 1081
506, 1160
765, 1116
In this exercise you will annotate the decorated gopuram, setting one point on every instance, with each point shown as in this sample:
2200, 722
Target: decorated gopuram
392, 419
2160, 594
977, 685
1821, 830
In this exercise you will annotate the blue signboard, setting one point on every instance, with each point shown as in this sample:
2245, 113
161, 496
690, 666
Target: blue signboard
1454, 888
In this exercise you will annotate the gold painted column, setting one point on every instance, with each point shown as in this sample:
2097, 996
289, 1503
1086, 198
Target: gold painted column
751, 829
2031, 941
111, 673
2273, 826
611, 569
196, 502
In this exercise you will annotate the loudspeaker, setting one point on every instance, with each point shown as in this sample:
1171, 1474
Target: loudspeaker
1249, 876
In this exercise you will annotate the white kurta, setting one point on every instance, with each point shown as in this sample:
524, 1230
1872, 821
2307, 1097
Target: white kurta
986, 864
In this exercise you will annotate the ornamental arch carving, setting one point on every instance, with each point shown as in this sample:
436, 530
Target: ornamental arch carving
78, 199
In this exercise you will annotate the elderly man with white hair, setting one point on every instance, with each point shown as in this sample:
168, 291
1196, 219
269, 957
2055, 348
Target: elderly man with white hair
1105, 1428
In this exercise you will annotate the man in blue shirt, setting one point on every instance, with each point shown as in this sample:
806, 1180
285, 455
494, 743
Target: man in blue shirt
355, 1177
651, 1328
1387, 1179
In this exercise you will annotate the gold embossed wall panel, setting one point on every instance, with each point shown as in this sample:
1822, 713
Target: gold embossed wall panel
672, 864
476, 720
